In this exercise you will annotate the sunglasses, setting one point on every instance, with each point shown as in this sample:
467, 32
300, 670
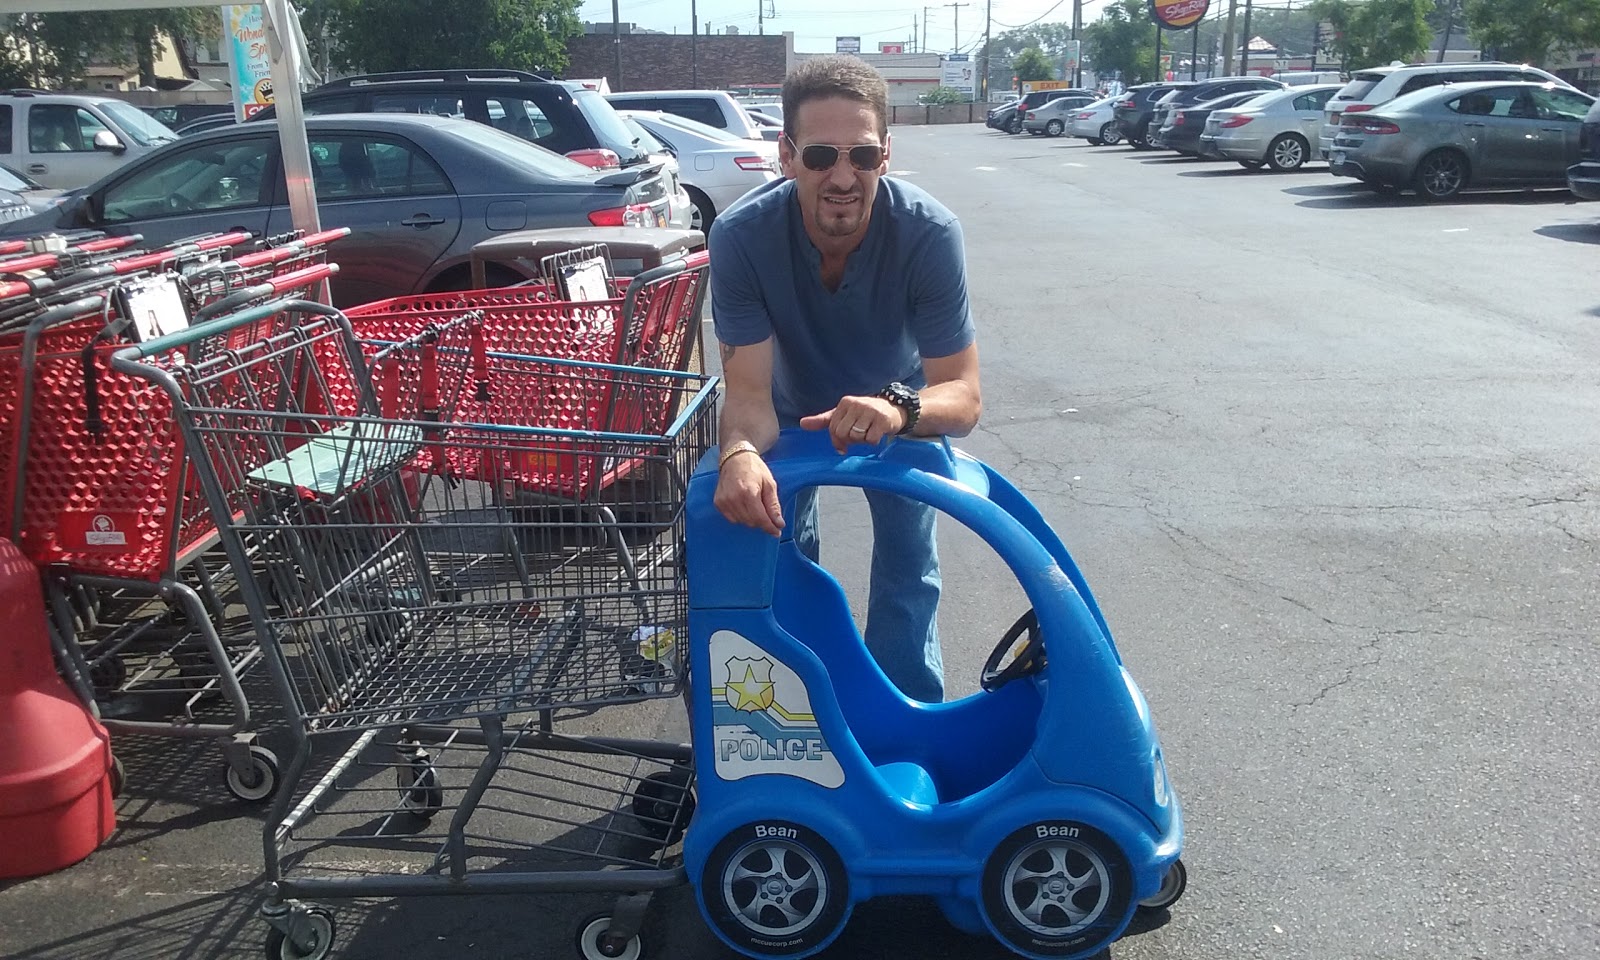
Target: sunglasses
824, 156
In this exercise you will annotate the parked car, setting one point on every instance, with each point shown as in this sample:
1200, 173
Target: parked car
1184, 126
568, 118
1371, 88
1275, 129
176, 115
718, 167
1583, 177
714, 108
1006, 110
1168, 106
1097, 123
1012, 117
417, 192
771, 127
67, 140
681, 213
1442, 141
212, 122
1136, 108
1051, 118
774, 109
36, 195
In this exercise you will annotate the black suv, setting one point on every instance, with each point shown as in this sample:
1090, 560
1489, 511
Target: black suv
1009, 117
565, 117
1138, 104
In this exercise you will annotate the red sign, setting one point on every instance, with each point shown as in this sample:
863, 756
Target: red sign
251, 109
891, 48
1178, 14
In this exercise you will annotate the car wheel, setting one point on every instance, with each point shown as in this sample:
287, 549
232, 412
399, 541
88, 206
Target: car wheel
1252, 164
1054, 128
1110, 135
1014, 126
1441, 175
704, 213
1288, 152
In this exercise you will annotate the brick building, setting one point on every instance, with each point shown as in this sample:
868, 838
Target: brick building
678, 61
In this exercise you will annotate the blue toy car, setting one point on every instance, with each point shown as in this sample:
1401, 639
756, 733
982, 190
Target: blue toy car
1038, 810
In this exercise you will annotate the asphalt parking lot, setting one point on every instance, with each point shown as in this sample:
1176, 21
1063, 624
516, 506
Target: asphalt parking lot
1327, 460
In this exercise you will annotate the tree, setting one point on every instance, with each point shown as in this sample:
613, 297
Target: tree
1032, 64
943, 95
1531, 32
1122, 40
377, 36
59, 46
1376, 32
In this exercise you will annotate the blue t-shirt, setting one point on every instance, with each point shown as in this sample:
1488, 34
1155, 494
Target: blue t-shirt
903, 296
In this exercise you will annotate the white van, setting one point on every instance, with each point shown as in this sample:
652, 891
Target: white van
1308, 78
66, 141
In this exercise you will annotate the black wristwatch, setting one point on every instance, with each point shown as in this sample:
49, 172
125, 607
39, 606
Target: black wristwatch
906, 399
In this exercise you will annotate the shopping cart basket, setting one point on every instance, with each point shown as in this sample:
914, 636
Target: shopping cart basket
363, 525
95, 489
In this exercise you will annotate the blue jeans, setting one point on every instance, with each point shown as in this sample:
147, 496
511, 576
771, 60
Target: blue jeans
902, 634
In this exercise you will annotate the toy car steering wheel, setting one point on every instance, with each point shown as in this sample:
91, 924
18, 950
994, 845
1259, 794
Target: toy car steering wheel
1028, 662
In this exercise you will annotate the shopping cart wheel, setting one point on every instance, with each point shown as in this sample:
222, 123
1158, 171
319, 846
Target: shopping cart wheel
108, 674
119, 776
594, 945
1057, 888
420, 792
314, 929
260, 783
664, 803
1172, 887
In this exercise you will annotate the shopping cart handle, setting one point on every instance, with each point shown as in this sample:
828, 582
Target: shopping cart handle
222, 325
324, 237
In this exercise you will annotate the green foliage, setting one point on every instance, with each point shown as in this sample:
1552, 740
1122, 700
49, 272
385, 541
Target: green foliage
53, 49
1518, 30
1032, 64
1372, 33
943, 95
376, 36
1124, 38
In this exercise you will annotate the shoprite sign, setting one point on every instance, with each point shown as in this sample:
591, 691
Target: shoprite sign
1178, 14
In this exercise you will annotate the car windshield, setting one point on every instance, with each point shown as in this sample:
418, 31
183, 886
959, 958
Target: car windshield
612, 133
647, 142
1359, 86
698, 128
522, 153
143, 128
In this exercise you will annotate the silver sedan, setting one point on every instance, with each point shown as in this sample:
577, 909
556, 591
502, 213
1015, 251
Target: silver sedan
1096, 122
1442, 140
1278, 129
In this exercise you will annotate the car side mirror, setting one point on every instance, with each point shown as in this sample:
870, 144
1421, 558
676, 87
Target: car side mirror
107, 141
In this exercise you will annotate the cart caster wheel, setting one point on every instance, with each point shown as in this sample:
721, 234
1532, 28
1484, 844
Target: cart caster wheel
664, 804
316, 930
593, 945
107, 675
775, 883
119, 776
1057, 889
1172, 887
420, 792
260, 783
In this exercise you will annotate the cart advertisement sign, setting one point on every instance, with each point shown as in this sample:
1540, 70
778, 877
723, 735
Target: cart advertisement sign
244, 30
1178, 14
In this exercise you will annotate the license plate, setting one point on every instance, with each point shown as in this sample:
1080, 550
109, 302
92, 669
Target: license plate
1336, 156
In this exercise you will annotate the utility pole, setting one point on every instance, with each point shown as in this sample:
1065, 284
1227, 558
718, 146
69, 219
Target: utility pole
616, 43
1244, 57
761, 18
1449, 25
1227, 39
983, 78
694, 45
956, 30
923, 46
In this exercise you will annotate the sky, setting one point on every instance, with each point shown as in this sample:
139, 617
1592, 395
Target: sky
815, 24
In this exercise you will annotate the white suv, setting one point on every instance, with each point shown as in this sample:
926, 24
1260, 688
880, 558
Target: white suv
66, 141
714, 108
1368, 89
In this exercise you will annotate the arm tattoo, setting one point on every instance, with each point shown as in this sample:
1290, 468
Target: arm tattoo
727, 353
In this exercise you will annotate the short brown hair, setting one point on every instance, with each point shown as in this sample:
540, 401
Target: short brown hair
836, 75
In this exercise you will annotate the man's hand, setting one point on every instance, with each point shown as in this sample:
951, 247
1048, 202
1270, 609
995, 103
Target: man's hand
858, 420
747, 494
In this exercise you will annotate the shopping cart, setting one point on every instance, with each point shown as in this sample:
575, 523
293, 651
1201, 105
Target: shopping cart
95, 489
405, 600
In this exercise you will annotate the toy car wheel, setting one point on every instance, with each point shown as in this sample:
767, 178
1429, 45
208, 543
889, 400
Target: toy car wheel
593, 944
776, 889
262, 780
316, 931
1172, 887
664, 803
1057, 888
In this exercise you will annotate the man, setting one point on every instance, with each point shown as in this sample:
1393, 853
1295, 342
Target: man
840, 301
